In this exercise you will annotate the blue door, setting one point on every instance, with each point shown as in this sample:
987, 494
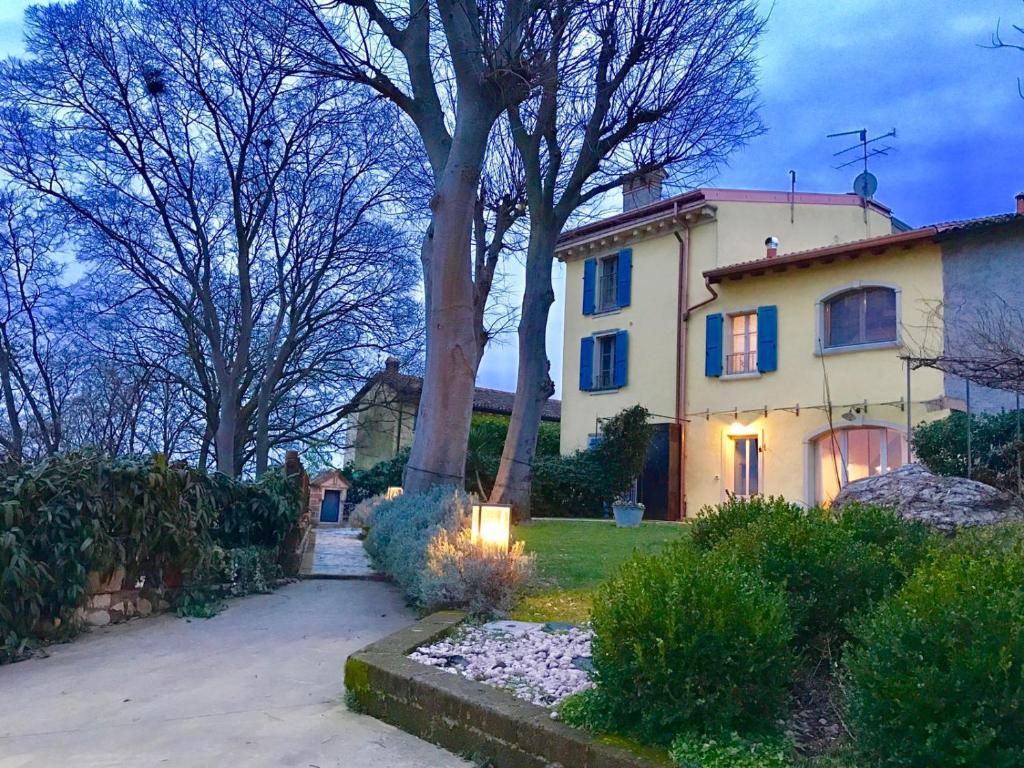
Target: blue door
330, 510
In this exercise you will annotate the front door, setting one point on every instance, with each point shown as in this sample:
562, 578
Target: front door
330, 510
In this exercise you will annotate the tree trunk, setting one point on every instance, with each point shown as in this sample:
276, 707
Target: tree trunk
534, 385
438, 454
17, 436
227, 426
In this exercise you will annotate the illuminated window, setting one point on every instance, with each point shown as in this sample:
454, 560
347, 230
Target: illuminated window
860, 316
845, 455
745, 480
742, 357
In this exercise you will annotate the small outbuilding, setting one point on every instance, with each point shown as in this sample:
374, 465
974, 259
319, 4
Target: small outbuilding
327, 492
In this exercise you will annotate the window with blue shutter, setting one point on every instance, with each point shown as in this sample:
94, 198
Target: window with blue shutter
587, 363
589, 285
621, 358
713, 345
624, 278
767, 338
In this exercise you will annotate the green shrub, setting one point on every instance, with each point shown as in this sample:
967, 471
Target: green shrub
367, 483
420, 541
715, 524
937, 672
475, 577
904, 543
65, 516
688, 642
401, 529
729, 751
261, 513
941, 446
830, 570
487, 435
584, 483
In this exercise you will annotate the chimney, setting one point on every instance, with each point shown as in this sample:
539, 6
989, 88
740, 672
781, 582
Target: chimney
772, 246
1020, 203
642, 189
391, 366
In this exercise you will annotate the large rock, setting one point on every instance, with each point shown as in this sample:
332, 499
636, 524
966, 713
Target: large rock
947, 503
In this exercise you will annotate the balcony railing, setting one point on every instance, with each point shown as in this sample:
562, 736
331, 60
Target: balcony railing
741, 362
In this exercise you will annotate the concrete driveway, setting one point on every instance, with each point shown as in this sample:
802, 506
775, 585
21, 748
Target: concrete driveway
258, 685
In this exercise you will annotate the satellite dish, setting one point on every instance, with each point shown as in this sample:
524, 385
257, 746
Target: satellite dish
865, 185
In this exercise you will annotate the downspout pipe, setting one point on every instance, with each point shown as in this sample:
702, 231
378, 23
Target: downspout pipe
683, 299
681, 339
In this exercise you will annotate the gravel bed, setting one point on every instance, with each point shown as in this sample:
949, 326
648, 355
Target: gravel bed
539, 664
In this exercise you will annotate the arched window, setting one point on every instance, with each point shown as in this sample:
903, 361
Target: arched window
844, 455
860, 316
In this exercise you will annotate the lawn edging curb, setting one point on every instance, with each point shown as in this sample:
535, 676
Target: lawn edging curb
464, 716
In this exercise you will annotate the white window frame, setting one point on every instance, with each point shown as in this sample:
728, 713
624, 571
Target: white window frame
734, 440
821, 349
842, 434
597, 384
604, 264
729, 348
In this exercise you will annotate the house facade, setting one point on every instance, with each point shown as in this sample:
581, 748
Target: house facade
765, 333
383, 421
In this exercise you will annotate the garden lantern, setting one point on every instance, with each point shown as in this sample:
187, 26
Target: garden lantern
491, 525
393, 492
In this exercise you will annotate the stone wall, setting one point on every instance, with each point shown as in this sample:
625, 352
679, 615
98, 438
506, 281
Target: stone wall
111, 601
980, 272
470, 718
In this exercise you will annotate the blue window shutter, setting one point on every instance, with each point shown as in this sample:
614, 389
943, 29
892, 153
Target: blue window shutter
713, 346
587, 363
589, 285
767, 338
621, 358
624, 278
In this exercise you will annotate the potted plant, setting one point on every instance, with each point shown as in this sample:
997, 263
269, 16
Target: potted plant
628, 514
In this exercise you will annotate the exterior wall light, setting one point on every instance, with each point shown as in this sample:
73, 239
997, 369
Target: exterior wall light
393, 492
491, 525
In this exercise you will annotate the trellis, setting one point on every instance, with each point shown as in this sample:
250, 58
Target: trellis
1003, 373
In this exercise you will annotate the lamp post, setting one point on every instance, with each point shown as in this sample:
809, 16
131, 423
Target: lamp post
491, 525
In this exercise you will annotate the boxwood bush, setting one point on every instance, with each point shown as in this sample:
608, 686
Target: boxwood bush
937, 671
715, 524
686, 641
830, 569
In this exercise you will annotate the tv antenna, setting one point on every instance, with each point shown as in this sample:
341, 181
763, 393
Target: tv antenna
866, 184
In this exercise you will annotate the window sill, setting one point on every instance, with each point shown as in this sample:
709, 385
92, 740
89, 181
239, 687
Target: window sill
604, 391
858, 348
605, 312
740, 376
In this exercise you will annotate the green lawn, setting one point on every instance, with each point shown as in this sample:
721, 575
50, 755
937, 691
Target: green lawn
574, 556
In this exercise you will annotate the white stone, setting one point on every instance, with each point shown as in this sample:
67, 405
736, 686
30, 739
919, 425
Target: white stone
99, 601
98, 618
144, 607
533, 664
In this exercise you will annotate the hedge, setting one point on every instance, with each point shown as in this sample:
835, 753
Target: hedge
65, 516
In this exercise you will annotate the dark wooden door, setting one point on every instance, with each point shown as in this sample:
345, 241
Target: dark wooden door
330, 510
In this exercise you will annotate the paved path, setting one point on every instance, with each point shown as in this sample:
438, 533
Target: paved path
338, 553
259, 685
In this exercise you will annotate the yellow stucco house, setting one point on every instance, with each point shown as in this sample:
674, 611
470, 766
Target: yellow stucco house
383, 418
764, 333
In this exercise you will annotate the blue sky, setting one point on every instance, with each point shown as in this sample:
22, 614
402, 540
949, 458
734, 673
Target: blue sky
915, 65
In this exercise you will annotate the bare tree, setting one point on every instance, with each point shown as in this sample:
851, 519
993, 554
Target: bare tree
632, 86
998, 41
36, 375
235, 208
452, 67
